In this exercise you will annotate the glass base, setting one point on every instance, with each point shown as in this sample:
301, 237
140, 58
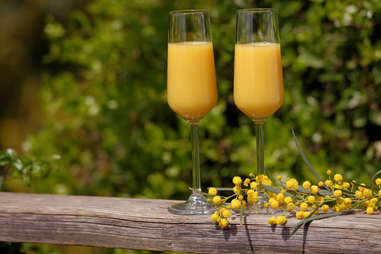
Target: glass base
259, 208
255, 209
195, 205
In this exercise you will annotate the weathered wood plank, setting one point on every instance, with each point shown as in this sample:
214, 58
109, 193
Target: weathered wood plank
146, 224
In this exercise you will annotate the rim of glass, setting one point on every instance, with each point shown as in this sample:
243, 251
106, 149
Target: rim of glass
255, 10
187, 11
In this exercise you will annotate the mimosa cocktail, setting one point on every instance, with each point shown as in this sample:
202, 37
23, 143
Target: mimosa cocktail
191, 88
191, 79
258, 80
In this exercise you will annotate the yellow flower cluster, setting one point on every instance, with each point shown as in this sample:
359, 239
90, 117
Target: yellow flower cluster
223, 213
245, 192
280, 220
305, 200
292, 184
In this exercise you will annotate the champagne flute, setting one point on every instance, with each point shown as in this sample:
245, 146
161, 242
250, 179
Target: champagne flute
258, 80
191, 87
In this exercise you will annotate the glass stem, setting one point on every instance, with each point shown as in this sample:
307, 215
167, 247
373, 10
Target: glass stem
260, 148
195, 159
260, 162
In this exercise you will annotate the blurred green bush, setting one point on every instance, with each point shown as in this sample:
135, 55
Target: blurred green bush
111, 132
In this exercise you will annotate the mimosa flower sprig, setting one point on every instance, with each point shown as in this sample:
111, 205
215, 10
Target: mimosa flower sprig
308, 201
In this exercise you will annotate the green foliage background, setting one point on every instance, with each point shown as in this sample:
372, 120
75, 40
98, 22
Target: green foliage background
108, 124
109, 131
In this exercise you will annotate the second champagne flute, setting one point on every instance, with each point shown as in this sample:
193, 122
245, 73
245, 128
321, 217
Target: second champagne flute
258, 80
191, 87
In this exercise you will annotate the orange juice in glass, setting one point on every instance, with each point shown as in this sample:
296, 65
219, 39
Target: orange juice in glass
258, 80
191, 88
191, 79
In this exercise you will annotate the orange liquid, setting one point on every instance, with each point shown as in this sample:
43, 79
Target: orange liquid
258, 80
191, 79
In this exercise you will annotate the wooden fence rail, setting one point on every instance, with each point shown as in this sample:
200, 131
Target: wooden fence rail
145, 224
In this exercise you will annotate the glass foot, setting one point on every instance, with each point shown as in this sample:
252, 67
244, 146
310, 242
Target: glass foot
259, 208
195, 205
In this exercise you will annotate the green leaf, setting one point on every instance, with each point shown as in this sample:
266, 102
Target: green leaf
317, 217
373, 179
271, 188
303, 156
325, 192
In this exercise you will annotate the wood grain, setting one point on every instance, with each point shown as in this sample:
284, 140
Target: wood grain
145, 224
